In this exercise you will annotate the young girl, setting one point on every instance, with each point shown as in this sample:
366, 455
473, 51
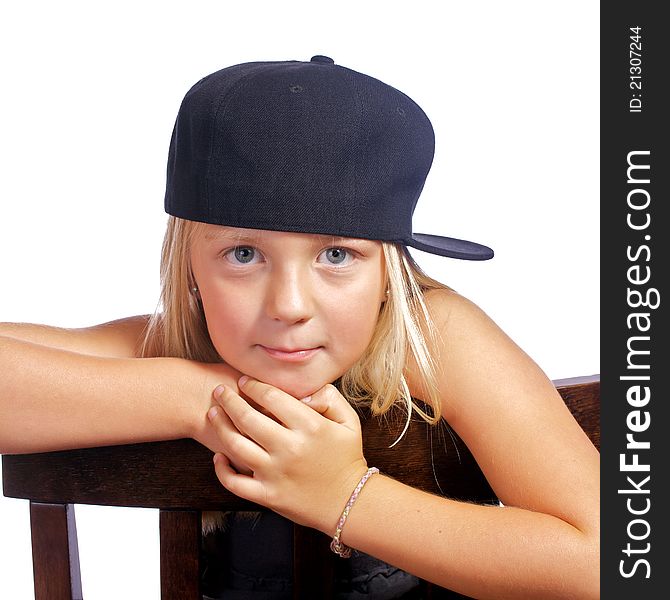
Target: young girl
289, 299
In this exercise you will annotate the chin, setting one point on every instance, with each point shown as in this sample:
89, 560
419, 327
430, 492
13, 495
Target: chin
293, 385
296, 389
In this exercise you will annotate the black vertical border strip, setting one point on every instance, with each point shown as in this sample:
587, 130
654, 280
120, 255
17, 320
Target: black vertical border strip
634, 544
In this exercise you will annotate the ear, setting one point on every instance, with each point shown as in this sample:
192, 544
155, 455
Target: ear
386, 286
194, 292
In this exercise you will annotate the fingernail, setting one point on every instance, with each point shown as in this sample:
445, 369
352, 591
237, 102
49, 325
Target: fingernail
307, 399
212, 412
216, 458
218, 391
243, 380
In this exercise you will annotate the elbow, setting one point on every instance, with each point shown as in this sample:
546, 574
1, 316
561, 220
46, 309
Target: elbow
593, 558
593, 584
588, 588
577, 577
586, 574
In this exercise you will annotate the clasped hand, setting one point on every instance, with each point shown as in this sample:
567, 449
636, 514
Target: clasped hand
304, 457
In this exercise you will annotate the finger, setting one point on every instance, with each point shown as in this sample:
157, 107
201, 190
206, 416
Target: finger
239, 448
243, 486
260, 428
285, 407
331, 404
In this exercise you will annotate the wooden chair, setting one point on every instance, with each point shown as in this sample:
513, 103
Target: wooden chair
177, 478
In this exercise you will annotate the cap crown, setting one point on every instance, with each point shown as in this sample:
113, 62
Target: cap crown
310, 147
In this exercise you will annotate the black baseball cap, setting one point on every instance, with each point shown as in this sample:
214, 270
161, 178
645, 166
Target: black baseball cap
310, 147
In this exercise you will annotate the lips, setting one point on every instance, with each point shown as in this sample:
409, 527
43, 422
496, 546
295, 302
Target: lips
290, 354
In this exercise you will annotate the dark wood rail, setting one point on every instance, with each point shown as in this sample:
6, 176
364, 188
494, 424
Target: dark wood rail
178, 476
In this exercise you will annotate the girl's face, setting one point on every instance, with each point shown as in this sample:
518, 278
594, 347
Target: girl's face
293, 310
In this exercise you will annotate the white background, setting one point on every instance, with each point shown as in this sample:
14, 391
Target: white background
90, 94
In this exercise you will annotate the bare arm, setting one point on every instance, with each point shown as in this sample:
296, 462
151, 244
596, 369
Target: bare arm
544, 543
80, 388
481, 551
120, 338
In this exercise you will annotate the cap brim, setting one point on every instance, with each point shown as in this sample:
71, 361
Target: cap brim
451, 247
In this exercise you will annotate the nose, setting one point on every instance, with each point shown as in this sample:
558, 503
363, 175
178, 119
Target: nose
289, 297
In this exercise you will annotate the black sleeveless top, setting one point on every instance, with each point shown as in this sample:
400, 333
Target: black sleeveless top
252, 559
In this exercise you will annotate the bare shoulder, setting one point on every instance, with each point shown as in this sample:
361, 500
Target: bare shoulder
473, 354
463, 335
120, 338
444, 304
508, 412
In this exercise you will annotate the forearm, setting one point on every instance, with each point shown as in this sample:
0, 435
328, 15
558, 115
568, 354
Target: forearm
52, 399
481, 551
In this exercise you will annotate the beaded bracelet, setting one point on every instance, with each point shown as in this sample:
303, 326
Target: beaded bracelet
336, 545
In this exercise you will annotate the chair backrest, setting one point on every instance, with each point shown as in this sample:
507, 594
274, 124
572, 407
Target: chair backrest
177, 478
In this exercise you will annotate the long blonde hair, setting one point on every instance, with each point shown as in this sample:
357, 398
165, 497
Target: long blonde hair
404, 327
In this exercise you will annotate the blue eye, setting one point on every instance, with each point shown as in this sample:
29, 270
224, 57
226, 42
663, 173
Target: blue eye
336, 256
244, 254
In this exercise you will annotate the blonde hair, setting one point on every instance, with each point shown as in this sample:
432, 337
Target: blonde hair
178, 328
404, 328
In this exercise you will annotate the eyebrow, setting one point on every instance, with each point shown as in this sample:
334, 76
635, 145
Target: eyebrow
237, 234
240, 235
337, 240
